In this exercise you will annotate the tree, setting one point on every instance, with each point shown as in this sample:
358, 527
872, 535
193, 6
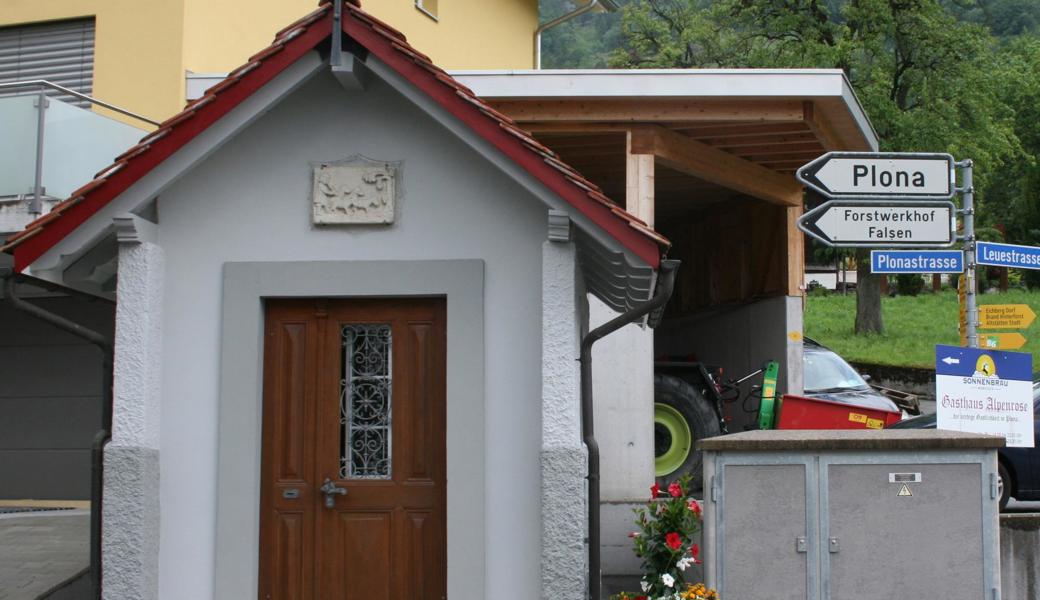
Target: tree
584, 42
929, 81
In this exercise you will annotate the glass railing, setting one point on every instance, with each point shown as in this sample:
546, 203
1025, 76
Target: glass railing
42, 160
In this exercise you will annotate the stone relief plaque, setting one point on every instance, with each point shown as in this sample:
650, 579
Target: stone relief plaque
355, 191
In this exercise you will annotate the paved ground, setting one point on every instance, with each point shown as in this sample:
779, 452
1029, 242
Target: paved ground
40, 550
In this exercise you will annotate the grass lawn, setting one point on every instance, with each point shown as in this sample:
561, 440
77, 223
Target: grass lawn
913, 326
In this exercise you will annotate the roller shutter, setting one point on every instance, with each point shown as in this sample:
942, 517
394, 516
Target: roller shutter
61, 52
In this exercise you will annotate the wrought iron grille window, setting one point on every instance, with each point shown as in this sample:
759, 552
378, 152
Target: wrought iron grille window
365, 402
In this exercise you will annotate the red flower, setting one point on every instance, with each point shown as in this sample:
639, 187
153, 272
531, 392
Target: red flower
655, 490
672, 540
695, 507
695, 550
675, 490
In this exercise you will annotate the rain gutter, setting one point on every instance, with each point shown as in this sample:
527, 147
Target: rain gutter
655, 308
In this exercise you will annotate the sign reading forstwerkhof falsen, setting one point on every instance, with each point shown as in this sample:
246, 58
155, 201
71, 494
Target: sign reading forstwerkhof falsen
985, 391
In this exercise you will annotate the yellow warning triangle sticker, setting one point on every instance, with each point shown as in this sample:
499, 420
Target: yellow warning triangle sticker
904, 491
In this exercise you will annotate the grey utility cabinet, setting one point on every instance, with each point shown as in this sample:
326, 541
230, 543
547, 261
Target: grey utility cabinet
852, 515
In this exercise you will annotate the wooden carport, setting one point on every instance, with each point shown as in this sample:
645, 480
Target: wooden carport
705, 156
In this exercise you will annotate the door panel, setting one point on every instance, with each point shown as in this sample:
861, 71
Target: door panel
754, 494
882, 536
354, 393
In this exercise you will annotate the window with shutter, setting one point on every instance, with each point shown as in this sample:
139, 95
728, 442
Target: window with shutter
61, 52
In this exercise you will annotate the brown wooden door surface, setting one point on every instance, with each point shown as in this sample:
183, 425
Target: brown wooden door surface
354, 391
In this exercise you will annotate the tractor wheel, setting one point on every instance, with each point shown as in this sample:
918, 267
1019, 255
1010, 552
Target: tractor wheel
682, 416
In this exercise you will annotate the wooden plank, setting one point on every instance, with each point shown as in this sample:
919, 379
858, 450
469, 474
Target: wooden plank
639, 174
736, 130
575, 127
711, 164
650, 111
795, 253
810, 150
794, 139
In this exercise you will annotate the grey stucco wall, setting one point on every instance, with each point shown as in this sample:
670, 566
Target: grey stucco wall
250, 202
1019, 557
50, 399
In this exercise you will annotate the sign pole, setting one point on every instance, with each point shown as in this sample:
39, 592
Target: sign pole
967, 191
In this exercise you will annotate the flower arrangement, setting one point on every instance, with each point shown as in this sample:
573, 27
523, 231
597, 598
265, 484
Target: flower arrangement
667, 525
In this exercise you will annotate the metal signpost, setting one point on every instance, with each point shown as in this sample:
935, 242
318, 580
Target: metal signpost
985, 391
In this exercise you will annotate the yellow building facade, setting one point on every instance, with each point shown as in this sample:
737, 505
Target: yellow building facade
144, 50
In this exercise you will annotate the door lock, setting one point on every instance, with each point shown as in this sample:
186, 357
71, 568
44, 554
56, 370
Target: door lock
330, 490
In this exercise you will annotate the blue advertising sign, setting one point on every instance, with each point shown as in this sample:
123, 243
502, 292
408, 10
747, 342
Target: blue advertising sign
1007, 255
916, 261
985, 391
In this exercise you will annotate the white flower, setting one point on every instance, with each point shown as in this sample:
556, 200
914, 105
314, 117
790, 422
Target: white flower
646, 586
668, 580
683, 563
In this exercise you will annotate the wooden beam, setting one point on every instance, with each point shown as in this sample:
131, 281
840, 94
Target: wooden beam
711, 164
639, 174
650, 111
795, 280
820, 127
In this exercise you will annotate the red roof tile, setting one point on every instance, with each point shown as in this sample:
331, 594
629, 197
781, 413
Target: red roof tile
291, 43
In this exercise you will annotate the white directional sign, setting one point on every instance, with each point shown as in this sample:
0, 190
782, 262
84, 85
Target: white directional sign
895, 224
876, 175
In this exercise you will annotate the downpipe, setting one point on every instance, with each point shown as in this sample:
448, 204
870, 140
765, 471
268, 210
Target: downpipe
663, 291
102, 436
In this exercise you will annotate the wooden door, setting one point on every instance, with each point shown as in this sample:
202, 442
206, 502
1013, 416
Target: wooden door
354, 398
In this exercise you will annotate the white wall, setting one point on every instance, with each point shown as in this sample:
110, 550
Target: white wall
250, 202
623, 392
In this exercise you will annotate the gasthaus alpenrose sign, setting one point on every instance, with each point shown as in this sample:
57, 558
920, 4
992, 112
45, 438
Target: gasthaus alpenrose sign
985, 391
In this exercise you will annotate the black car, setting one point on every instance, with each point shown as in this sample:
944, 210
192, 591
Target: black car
827, 376
1019, 468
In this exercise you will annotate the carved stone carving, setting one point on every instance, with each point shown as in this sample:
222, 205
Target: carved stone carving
357, 190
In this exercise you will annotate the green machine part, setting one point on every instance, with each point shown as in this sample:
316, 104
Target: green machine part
767, 406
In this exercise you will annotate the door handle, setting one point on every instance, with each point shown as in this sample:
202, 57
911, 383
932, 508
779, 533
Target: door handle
331, 490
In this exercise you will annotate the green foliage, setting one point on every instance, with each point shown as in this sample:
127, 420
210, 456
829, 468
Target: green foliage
913, 326
928, 81
584, 42
908, 284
